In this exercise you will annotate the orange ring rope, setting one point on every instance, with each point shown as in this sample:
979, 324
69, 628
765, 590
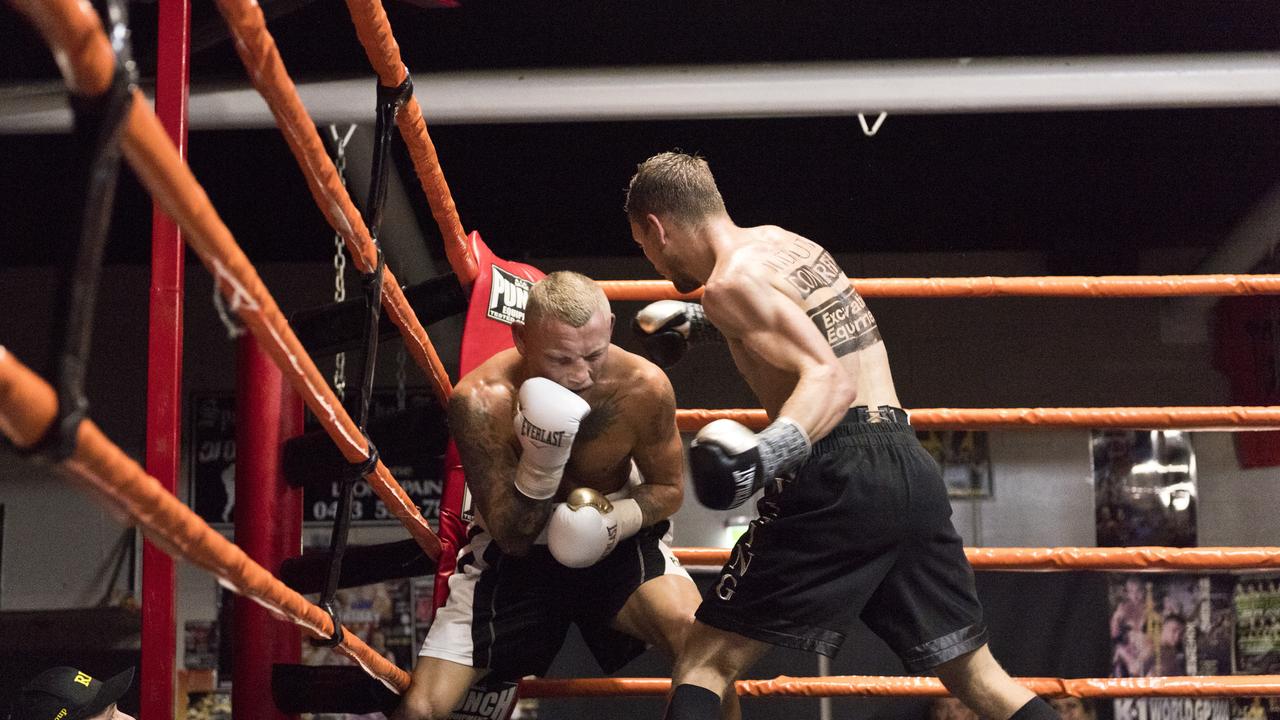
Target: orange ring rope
27, 408
261, 58
1220, 418
380, 45
1076, 558
1108, 286
84, 55
873, 686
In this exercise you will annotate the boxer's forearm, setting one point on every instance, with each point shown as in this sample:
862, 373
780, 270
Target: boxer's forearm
657, 502
515, 521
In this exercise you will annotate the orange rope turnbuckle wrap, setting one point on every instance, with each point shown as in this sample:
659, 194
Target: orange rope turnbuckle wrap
267, 72
1112, 286
84, 55
873, 686
27, 408
380, 45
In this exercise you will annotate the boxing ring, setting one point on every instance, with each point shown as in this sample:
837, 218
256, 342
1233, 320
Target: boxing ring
29, 404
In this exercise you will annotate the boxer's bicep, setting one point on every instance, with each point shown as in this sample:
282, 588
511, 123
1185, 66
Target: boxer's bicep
658, 452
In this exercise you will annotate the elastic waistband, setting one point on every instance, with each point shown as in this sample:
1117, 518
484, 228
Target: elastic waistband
862, 425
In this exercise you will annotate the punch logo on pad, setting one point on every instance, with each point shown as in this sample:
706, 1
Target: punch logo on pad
508, 295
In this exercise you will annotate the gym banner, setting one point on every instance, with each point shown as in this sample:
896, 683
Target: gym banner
211, 461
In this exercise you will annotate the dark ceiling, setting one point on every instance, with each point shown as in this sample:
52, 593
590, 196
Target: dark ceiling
1092, 190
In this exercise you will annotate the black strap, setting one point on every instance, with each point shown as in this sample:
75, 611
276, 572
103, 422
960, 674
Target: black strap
338, 635
98, 120
338, 539
390, 100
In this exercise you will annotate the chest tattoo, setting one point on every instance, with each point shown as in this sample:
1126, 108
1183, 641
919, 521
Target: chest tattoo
598, 421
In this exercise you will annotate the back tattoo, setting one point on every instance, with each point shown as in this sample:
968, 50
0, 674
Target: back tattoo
844, 319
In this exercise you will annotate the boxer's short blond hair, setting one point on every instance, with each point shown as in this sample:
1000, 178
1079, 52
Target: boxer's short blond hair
570, 297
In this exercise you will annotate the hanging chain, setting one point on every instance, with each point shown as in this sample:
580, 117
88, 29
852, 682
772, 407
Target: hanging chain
340, 255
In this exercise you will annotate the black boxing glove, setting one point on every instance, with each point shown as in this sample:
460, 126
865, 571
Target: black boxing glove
666, 328
729, 463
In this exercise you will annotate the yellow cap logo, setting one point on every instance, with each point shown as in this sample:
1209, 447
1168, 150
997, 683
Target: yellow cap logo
83, 679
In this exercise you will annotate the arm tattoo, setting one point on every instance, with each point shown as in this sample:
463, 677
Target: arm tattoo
650, 510
489, 461
658, 442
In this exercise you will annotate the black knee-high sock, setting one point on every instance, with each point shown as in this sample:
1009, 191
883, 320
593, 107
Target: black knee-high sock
691, 702
1036, 709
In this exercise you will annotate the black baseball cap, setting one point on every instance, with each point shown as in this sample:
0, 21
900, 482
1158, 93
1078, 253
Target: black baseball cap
64, 693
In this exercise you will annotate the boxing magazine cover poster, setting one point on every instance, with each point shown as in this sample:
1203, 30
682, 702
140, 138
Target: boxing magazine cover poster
1172, 625
1257, 640
1144, 488
1257, 606
211, 453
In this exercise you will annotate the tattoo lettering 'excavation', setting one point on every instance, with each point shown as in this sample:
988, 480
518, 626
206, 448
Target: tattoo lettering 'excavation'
846, 323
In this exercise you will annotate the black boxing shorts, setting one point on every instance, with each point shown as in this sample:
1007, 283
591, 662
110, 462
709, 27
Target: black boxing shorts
510, 614
863, 530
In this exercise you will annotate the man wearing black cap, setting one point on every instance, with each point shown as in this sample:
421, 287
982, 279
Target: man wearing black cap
64, 693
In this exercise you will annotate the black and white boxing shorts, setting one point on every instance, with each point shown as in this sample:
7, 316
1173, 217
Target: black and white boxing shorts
510, 614
863, 530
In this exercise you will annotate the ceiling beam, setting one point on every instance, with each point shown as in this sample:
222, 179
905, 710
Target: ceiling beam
966, 85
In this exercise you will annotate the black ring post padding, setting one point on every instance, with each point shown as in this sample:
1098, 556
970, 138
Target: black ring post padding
338, 634
362, 565
339, 327
417, 436
346, 689
96, 136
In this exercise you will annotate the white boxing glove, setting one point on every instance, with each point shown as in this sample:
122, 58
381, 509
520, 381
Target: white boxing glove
546, 422
586, 527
